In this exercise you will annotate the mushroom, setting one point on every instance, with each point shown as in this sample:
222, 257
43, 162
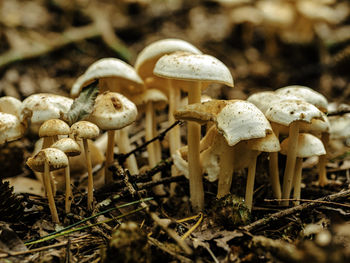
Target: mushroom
47, 160
113, 111
11, 105
117, 76
291, 113
236, 121
44, 106
70, 148
308, 145
194, 70
10, 128
86, 130
144, 66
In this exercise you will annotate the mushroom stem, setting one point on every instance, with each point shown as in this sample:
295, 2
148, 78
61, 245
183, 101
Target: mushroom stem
226, 168
322, 161
69, 196
50, 198
297, 180
151, 148
290, 163
157, 147
123, 143
109, 156
47, 142
174, 133
273, 169
250, 180
193, 139
90, 176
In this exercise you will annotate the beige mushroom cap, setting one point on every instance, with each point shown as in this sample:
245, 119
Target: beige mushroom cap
305, 93
44, 106
10, 128
113, 111
276, 13
308, 145
193, 67
269, 143
236, 119
84, 130
316, 126
68, 146
10, 105
54, 157
124, 77
340, 127
157, 97
148, 57
287, 111
53, 127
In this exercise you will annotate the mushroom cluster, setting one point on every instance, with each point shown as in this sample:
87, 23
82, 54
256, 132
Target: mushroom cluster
290, 120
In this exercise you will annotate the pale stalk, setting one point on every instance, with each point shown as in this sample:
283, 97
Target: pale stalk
123, 143
322, 161
50, 197
297, 180
157, 146
90, 198
193, 139
109, 157
47, 142
290, 163
226, 168
69, 196
273, 170
249, 192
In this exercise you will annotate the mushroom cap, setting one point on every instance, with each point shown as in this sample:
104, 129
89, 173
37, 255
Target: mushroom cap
269, 143
263, 99
68, 146
10, 105
147, 58
287, 111
276, 13
44, 106
308, 145
316, 126
305, 93
204, 98
236, 119
54, 157
157, 97
122, 77
53, 127
113, 111
10, 128
84, 130
340, 127
193, 67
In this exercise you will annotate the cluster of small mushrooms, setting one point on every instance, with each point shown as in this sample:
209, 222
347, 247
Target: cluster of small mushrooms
237, 131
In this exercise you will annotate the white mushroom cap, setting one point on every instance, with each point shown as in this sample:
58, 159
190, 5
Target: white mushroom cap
157, 97
84, 130
10, 128
276, 13
316, 126
54, 157
305, 93
193, 67
340, 127
287, 111
270, 143
236, 119
53, 127
44, 106
263, 99
68, 146
122, 76
308, 145
148, 57
10, 105
113, 111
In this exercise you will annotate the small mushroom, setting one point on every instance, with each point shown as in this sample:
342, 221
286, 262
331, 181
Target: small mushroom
113, 111
11, 105
70, 148
86, 130
194, 70
10, 128
308, 145
47, 160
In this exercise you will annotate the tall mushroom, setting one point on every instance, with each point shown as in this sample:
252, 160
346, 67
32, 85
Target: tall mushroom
86, 130
194, 70
291, 113
113, 111
117, 76
70, 148
47, 160
308, 145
